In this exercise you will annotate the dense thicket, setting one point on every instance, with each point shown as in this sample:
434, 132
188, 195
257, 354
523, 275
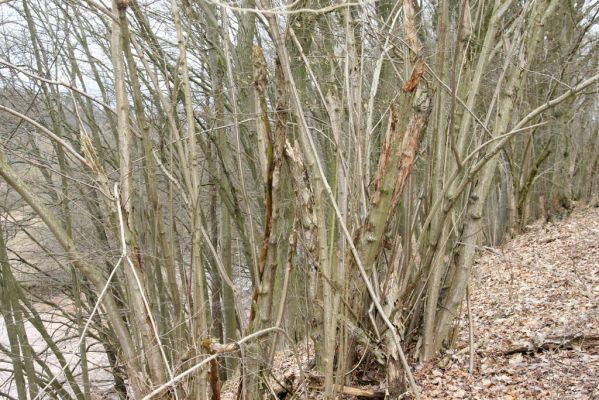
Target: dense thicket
205, 172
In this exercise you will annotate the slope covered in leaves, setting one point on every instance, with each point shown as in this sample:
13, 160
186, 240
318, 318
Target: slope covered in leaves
535, 311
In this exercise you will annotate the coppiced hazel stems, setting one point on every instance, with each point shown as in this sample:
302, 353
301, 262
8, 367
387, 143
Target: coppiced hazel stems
90, 271
276, 162
470, 330
315, 163
225, 348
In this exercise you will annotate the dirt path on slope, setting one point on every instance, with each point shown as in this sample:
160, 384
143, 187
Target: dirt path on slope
535, 310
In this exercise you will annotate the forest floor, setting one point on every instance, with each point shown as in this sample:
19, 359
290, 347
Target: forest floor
535, 312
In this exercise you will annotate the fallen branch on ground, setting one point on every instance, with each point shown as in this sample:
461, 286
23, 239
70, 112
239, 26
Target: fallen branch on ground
347, 390
554, 343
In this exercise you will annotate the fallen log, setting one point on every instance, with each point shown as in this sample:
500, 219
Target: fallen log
353, 391
347, 390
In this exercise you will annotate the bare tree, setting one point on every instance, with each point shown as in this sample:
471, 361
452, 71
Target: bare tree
321, 171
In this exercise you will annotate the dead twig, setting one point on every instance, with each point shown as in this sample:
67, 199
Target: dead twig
554, 343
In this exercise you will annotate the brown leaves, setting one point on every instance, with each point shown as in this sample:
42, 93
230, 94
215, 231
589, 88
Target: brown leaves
536, 298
